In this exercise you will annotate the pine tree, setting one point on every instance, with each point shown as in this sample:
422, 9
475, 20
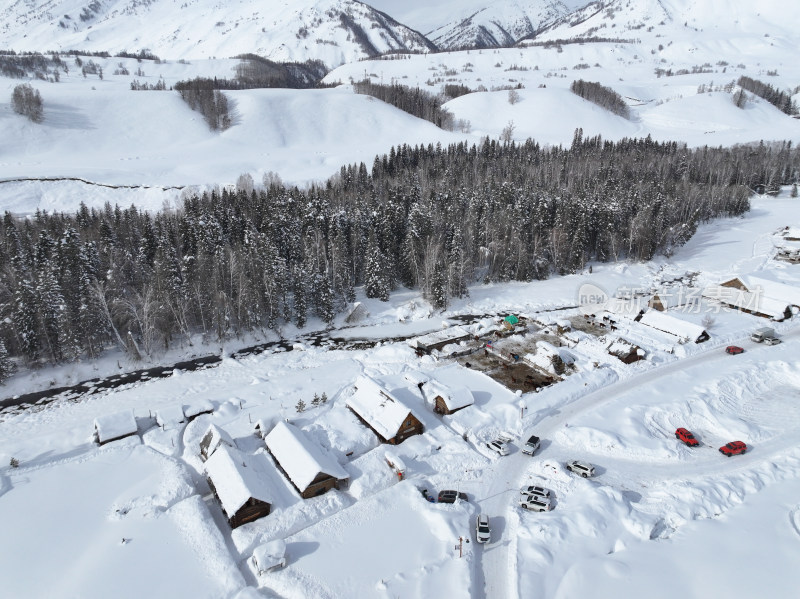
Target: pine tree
316, 401
300, 406
323, 398
6, 365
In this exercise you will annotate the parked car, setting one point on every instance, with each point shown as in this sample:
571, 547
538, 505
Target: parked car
733, 448
585, 469
499, 446
772, 340
535, 490
734, 349
687, 437
535, 504
482, 532
531, 445
449, 496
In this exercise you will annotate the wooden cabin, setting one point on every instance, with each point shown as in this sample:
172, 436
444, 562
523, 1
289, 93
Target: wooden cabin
114, 426
311, 469
448, 400
388, 417
240, 484
212, 440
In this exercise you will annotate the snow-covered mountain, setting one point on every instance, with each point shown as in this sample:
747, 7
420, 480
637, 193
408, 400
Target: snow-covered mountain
333, 31
773, 22
500, 23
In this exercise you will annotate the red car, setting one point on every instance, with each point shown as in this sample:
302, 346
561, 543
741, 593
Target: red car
734, 349
686, 437
733, 448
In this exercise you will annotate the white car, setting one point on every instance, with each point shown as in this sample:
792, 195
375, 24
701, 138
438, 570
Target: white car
772, 340
499, 446
482, 532
535, 490
585, 469
535, 504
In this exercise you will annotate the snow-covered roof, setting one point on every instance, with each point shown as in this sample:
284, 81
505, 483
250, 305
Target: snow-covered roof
753, 302
394, 461
237, 477
213, 438
301, 459
379, 407
626, 308
678, 295
170, 415
415, 377
668, 323
454, 398
441, 336
202, 406
116, 425
270, 554
771, 289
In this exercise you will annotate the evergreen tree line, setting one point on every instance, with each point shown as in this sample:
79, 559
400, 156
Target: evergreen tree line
603, 96
430, 218
780, 100
23, 66
27, 101
202, 95
412, 100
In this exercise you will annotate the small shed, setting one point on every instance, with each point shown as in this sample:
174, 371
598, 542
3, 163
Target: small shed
438, 339
307, 465
626, 351
212, 440
114, 426
666, 323
674, 297
170, 416
198, 408
447, 400
383, 412
240, 483
269, 556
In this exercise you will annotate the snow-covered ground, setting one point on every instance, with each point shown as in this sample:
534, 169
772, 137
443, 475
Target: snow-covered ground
136, 517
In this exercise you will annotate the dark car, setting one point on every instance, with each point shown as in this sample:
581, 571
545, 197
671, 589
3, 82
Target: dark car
733, 448
531, 445
449, 496
687, 437
734, 349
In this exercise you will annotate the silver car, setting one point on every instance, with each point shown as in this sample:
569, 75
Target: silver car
535, 490
499, 446
535, 504
585, 469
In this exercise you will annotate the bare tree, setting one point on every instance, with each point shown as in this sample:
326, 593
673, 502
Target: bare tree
513, 96
507, 135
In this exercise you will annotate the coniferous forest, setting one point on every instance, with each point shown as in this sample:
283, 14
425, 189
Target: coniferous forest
431, 218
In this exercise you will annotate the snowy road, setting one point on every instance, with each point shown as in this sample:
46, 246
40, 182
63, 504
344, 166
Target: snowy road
500, 493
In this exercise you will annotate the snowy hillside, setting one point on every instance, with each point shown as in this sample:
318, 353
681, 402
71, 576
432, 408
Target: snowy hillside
500, 23
333, 31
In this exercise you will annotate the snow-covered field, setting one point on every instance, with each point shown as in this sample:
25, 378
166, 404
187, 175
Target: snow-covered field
136, 517
156, 148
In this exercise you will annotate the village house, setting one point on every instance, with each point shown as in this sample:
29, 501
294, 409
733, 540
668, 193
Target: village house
114, 426
686, 332
757, 295
383, 412
447, 400
674, 297
212, 440
311, 469
240, 484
